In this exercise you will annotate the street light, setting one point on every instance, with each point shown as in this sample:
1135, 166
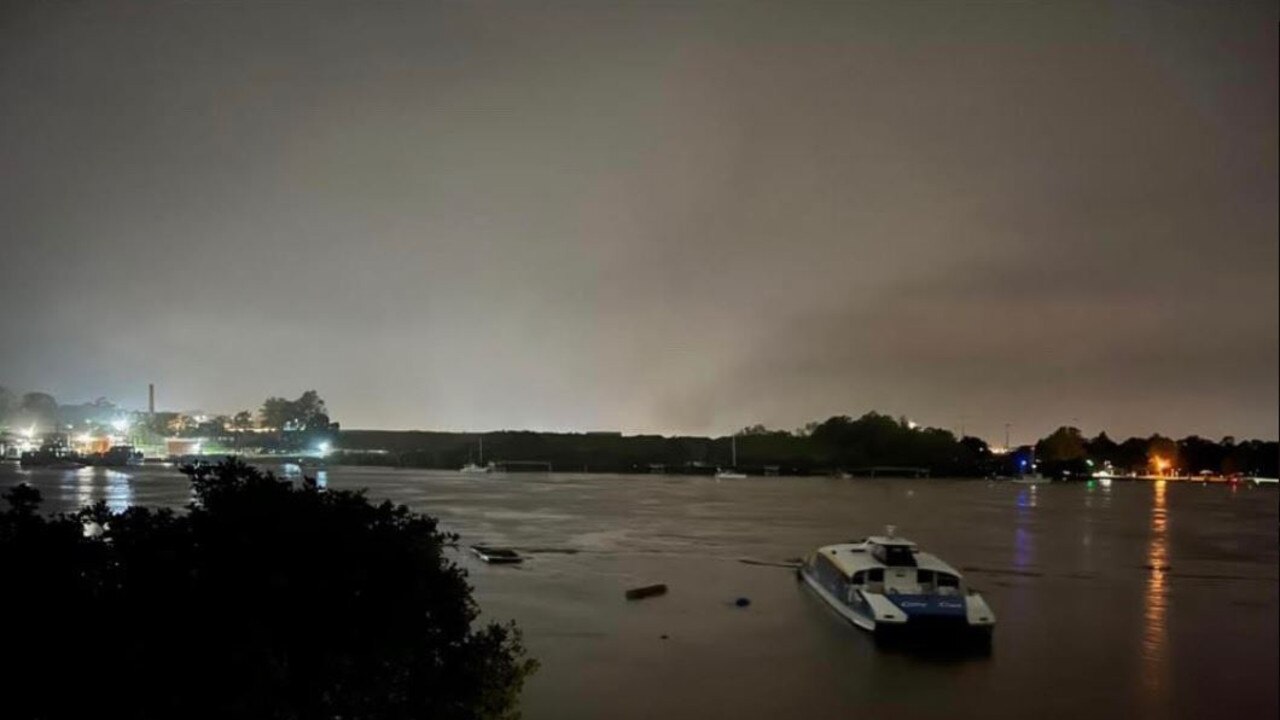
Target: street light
1161, 465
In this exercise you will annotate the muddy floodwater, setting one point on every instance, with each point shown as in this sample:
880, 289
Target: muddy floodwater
1138, 600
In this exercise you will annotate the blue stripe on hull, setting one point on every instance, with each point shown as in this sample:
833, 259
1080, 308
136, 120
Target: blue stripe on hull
929, 605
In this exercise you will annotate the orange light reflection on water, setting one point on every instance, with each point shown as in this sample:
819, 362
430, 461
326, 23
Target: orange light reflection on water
1154, 636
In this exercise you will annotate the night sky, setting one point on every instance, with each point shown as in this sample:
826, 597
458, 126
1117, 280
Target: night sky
648, 218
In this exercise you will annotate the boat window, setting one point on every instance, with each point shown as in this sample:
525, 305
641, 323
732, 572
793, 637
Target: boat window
875, 580
831, 577
826, 569
924, 577
945, 580
859, 577
894, 555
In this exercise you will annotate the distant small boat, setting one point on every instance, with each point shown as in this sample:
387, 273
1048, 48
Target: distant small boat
119, 456
54, 458
496, 556
732, 473
1030, 479
472, 468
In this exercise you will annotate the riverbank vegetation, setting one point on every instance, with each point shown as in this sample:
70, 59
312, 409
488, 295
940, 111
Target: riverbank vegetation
873, 443
262, 599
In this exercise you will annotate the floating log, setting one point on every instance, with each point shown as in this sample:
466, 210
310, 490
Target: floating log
641, 593
771, 563
496, 556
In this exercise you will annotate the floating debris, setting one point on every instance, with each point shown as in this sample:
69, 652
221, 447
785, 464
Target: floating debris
742, 602
496, 556
1002, 571
792, 564
641, 593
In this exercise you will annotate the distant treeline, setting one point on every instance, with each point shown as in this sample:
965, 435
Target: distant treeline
872, 443
1067, 451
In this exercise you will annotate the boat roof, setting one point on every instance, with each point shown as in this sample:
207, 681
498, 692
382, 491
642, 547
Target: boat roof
889, 540
854, 557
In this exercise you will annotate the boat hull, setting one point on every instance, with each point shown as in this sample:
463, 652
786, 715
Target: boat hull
921, 631
496, 556
854, 617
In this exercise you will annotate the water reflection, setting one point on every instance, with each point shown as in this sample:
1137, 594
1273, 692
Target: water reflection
119, 491
77, 485
1023, 548
84, 486
1154, 636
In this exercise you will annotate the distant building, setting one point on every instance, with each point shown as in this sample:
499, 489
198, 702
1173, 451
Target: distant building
180, 447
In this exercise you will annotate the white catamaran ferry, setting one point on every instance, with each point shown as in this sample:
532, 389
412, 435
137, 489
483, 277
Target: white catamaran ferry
884, 584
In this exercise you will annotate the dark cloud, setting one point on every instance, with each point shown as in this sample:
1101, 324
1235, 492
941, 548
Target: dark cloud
652, 218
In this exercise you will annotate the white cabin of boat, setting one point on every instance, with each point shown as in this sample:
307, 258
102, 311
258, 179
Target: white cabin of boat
885, 581
883, 564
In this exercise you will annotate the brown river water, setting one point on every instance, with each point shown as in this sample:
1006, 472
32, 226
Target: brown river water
1138, 600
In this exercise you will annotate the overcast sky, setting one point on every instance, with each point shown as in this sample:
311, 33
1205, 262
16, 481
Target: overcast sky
676, 218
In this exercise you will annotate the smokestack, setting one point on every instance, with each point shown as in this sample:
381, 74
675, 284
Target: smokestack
151, 398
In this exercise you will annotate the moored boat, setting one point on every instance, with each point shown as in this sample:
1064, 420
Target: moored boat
886, 585
732, 472
472, 468
118, 456
496, 555
57, 457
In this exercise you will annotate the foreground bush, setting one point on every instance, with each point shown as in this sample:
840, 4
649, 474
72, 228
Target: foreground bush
262, 600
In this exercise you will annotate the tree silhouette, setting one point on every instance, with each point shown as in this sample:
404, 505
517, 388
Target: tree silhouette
262, 599
40, 409
1063, 444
